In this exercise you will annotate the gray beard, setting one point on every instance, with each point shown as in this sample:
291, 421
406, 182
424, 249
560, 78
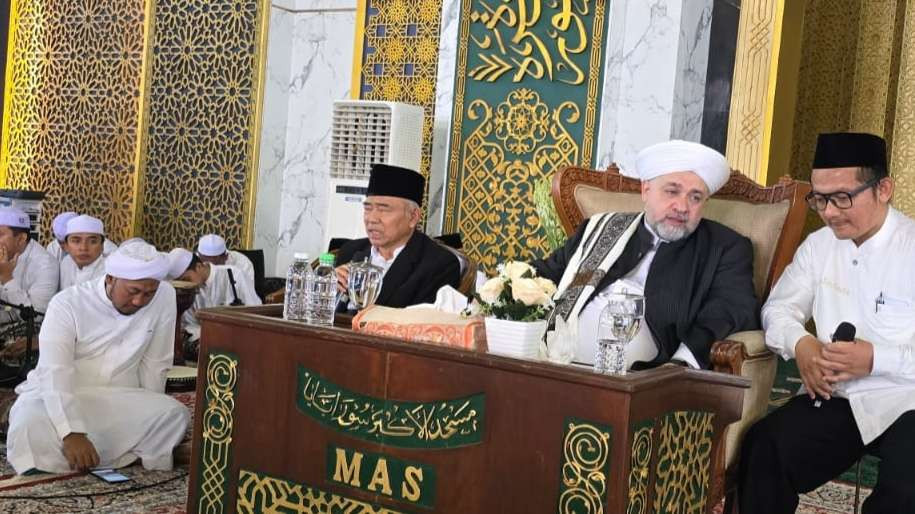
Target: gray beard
668, 233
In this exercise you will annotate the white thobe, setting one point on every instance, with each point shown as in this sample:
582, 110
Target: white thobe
871, 286
35, 279
643, 346
241, 262
100, 373
58, 253
217, 292
71, 274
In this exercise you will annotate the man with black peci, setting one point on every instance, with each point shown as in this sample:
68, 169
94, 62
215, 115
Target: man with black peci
858, 395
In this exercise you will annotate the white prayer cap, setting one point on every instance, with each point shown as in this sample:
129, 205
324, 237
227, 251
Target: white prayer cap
85, 224
13, 217
178, 261
136, 261
59, 225
211, 245
673, 156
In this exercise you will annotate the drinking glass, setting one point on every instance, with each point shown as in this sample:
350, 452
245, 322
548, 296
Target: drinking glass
364, 283
619, 323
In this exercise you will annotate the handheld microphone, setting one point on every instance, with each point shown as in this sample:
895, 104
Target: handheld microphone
844, 332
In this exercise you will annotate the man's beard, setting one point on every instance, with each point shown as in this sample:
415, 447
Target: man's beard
671, 233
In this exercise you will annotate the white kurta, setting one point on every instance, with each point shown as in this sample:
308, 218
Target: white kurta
871, 286
71, 274
101, 373
241, 262
58, 253
35, 279
217, 292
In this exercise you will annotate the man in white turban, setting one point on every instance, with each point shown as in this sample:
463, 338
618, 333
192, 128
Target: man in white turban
85, 241
28, 274
97, 397
58, 246
217, 286
696, 275
212, 248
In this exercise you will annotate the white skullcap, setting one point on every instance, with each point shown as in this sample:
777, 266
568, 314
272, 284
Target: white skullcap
85, 224
59, 225
178, 261
211, 245
13, 217
136, 261
673, 156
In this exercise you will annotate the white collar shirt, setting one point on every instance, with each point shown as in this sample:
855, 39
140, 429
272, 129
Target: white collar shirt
871, 286
217, 292
71, 274
35, 279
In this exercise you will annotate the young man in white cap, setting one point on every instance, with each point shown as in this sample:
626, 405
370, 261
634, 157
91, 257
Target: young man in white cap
212, 248
28, 274
218, 286
85, 241
696, 275
57, 248
858, 394
96, 398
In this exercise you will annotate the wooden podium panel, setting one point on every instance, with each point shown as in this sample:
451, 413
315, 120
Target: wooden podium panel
292, 418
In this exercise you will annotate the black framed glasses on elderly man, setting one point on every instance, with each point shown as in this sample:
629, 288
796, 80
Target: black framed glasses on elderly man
840, 199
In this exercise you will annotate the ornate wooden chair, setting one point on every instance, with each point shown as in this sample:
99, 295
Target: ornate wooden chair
771, 217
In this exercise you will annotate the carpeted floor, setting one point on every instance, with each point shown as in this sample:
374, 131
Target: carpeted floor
160, 492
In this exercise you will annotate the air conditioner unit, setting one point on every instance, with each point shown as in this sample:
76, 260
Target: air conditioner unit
365, 133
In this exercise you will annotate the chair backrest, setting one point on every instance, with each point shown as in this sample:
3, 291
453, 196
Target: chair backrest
468, 269
771, 217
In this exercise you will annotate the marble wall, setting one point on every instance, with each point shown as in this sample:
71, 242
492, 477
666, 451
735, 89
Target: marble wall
654, 89
309, 65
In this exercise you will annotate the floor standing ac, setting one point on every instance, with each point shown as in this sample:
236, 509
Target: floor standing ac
365, 133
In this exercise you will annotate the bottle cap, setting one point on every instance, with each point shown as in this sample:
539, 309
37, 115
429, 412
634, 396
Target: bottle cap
300, 256
327, 259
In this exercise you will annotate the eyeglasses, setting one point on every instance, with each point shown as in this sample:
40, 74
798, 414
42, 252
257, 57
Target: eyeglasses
840, 199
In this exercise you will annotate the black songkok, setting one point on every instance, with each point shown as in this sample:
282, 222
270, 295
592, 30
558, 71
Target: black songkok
850, 149
387, 180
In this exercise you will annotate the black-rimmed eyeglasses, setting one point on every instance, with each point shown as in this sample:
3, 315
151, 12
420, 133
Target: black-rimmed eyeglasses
840, 199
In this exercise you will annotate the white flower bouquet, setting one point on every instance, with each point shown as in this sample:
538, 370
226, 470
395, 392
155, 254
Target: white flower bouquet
516, 294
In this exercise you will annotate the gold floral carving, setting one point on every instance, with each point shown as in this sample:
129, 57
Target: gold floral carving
639, 472
404, 37
204, 92
71, 118
261, 493
903, 153
684, 462
586, 454
218, 422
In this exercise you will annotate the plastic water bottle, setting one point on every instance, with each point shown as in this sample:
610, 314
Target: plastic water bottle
296, 279
321, 293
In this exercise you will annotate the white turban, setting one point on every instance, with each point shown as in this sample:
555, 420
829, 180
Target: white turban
211, 245
13, 217
85, 224
136, 261
59, 225
673, 156
178, 261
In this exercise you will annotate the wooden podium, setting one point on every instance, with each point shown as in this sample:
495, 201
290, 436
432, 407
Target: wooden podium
292, 418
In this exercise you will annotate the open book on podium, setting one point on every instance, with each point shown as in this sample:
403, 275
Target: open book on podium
296, 418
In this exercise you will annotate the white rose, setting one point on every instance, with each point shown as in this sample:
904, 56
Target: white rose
529, 292
547, 285
514, 270
491, 290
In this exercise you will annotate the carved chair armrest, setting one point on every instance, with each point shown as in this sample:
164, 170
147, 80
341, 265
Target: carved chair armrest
729, 355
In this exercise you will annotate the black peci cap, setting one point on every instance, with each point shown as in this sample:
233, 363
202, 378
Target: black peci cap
387, 180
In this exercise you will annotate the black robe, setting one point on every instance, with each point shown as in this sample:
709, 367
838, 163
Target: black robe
699, 289
420, 269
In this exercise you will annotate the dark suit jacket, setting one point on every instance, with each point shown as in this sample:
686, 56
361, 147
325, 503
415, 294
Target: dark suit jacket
699, 289
420, 269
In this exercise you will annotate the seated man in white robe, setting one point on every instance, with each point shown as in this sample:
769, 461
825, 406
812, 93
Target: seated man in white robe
218, 286
28, 274
96, 397
85, 240
212, 248
58, 247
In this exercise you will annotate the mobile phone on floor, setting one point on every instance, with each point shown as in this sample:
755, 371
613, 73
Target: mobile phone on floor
109, 475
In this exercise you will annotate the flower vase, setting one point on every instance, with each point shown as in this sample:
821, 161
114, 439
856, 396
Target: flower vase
519, 339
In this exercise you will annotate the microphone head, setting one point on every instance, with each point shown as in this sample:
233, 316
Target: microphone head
844, 332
